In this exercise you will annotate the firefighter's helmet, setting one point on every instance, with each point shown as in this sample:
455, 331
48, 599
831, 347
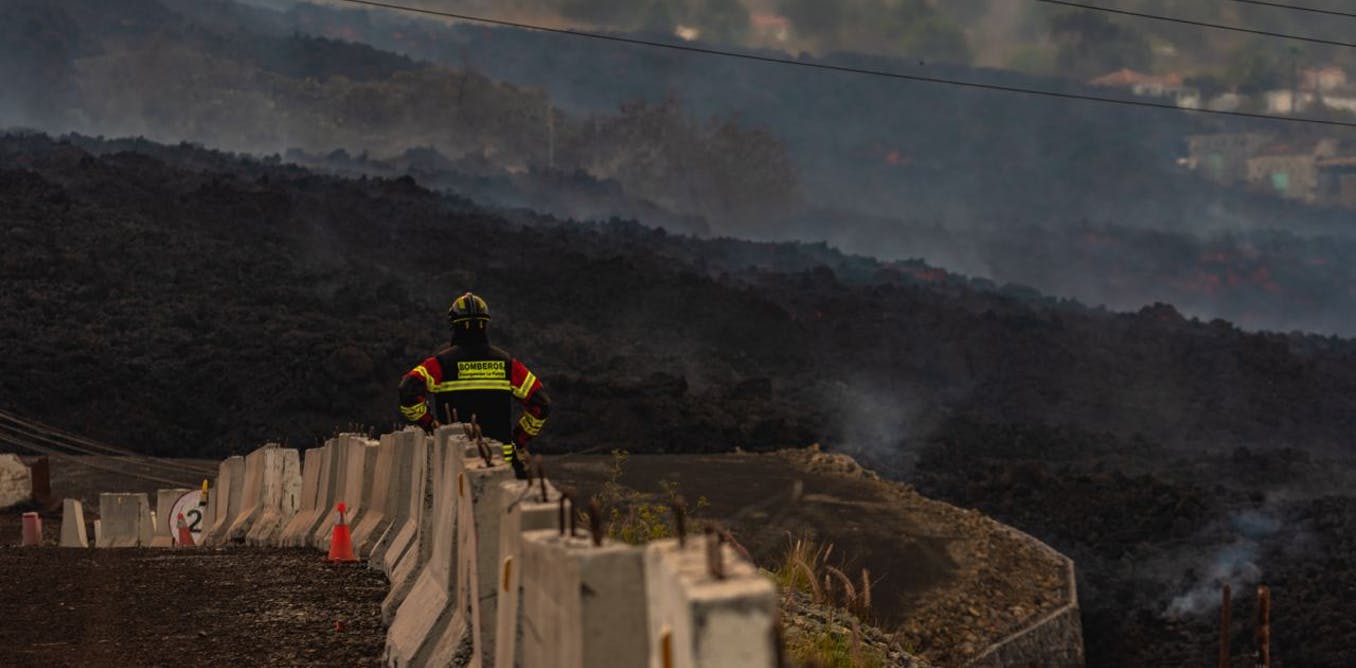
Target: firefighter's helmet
467, 307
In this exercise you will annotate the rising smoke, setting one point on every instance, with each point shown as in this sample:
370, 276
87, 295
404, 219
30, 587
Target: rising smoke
1237, 563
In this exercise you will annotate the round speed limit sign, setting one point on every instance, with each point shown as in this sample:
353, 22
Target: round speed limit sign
192, 508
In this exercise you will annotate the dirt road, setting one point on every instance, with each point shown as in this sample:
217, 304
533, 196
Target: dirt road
210, 607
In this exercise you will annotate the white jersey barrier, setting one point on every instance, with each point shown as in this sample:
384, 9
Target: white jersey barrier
73, 524
350, 468
426, 612
405, 571
317, 474
583, 604
123, 520
374, 521
230, 484
408, 448
717, 616
479, 508
524, 510
279, 495
250, 491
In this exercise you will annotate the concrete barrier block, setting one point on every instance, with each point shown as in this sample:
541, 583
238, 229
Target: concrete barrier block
524, 511
480, 510
164, 503
369, 479
315, 481
406, 570
350, 467
399, 499
697, 619
279, 496
582, 605
230, 485
147, 525
122, 517
423, 614
375, 520
73, 524
331, 487
251, 493
372, 508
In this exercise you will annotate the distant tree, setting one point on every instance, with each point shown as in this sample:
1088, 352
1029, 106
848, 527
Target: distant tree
966, 11
616, 13
662, 15
1253, 68
938, 37
1090, 44
1033, 59
815, 19
1209, 85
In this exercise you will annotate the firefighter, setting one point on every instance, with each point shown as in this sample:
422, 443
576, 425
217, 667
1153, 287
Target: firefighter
474, 378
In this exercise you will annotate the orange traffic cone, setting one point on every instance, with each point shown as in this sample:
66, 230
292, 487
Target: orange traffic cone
341, 542
185, 536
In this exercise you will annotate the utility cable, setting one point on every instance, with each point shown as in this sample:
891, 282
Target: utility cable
7, 439
1314, 10
87, 446
71, 449
688, 48
1200, 24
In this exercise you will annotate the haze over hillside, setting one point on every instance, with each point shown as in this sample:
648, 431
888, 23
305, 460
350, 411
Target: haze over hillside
1046, 193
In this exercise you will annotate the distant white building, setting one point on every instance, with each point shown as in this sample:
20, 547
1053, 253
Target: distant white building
1322, 79
1168, 86
1289, 102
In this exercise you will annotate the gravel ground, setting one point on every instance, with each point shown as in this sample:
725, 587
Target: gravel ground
212, 607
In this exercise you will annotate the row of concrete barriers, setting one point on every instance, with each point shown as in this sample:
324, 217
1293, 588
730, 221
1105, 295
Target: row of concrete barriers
485, 570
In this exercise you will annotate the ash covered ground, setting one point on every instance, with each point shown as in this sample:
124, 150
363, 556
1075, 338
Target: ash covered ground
227, 606
193, 303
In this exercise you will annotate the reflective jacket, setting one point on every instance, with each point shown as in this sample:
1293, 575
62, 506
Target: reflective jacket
476, 380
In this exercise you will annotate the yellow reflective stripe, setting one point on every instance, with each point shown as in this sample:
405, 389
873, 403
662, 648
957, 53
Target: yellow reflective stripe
522, 390
473, 384
531, 425
428, 377
507, 449
413, 413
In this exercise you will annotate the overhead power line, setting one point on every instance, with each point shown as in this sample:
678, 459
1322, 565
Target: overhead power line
1200, 24
8, 430
688, 48
81, 445
25, 444
1313, 10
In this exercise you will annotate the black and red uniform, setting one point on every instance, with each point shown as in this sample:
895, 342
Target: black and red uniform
477, 380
